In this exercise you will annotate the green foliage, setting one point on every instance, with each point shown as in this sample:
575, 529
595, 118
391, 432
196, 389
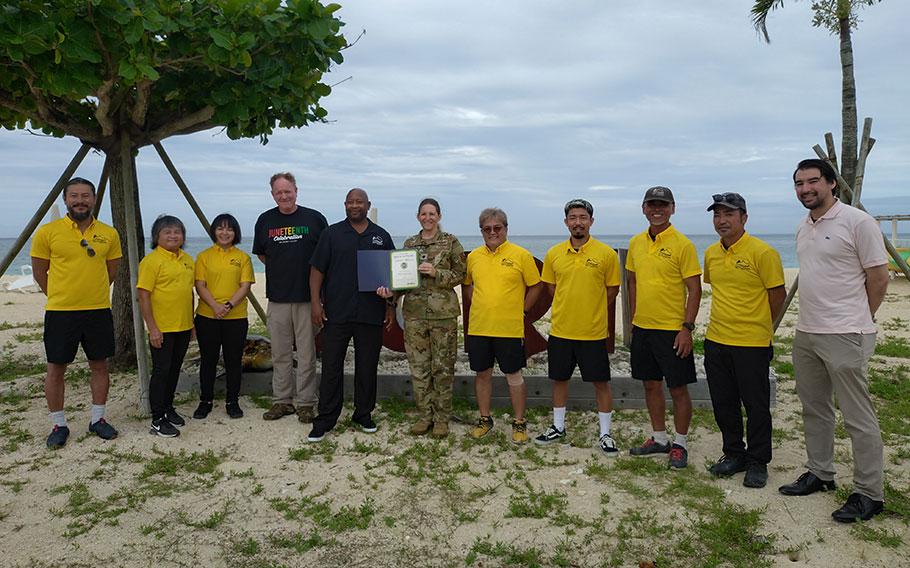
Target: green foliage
893, 347
165, 67
891, 387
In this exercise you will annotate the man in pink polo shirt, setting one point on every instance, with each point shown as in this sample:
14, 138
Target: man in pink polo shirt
842, 281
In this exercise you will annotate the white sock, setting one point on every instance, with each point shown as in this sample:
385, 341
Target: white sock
681, 440
606, 419
661, 437
559, 418
97, 412
58, 419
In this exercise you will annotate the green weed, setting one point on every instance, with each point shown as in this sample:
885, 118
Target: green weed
507, 554
881, 535
325, 449
12, 435
893, 347
298, 542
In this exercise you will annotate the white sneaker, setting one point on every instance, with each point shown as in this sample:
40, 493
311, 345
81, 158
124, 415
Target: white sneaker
553, 434
608, 446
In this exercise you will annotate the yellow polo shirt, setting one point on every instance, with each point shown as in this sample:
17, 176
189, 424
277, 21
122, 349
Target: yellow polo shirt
75, 280
660, 266
581, 278
740, 277
169, 278
500, 279
223, 271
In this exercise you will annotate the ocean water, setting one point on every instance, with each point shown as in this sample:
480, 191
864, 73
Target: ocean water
536, 244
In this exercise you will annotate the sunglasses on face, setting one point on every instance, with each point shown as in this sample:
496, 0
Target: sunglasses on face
88, 248
489, 229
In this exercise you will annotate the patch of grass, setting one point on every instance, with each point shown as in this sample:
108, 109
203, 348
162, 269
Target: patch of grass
396, 409
261, 401
704, 418
210, 522
14, 486
247, 547
429, 461
12, 368
12, 436
13, 398
893, 347
529, 503
891, 387
325, 449
5, 325
881, 535
29, 337
346, 518
170, 464
782, 368
698, 345
893, 324
897, 501
298, 542
506, 554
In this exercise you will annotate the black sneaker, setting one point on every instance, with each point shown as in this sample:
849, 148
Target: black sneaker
756, 476
162, 427
175, 419
366, 424
233, 410
650, 448
202, 410
316, 434
103, 430
553, 434
57, 438
728, 465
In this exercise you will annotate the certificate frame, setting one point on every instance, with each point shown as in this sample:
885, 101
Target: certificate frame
403, 273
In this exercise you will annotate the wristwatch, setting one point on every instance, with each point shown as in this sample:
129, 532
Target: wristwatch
689, 325
229, 305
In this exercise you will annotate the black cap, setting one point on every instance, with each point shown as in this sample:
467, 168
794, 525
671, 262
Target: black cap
580, 203
659, 193
731, 200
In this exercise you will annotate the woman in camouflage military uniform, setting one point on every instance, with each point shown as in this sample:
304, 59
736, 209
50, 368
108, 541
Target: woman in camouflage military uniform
431, 320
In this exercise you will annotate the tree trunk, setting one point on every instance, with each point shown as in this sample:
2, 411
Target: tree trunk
848, 105
121, 303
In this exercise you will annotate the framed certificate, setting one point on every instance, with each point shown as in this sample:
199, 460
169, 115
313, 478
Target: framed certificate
403, 269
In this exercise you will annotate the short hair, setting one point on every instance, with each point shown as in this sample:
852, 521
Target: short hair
78, 181
283, 175
230, 221
579, 204
493, 212
163, 222
429, 201
823, 166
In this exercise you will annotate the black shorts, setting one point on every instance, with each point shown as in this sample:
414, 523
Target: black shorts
65, 330
591, 357
509, 352
653, 358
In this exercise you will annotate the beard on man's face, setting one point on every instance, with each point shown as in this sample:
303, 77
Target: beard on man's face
78, 216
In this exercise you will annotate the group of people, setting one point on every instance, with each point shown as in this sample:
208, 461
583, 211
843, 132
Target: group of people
312, 285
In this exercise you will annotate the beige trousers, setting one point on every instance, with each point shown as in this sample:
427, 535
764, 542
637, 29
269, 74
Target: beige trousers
837, 364
291, 323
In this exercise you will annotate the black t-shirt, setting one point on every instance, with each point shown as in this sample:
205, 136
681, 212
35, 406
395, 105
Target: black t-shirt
336, 257
288, 241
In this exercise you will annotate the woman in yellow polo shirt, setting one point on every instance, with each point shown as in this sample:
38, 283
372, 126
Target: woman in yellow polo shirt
165, 284
224, 275
431, 320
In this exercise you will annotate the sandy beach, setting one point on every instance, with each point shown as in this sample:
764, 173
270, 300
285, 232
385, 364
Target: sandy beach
254, 493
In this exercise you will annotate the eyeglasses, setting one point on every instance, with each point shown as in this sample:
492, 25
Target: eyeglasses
88, 247
492, 229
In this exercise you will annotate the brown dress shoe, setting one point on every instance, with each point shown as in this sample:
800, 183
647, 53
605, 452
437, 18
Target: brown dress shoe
277, 411
420, 427
305, 414
440, 430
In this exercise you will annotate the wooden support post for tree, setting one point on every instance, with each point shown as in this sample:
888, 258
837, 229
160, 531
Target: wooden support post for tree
864, 150
43, 208
142, 356
102, 186
624, 299
832, 150
889, 246
787, 301
199, 214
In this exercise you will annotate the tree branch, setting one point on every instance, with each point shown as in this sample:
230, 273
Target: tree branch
143, 91
102, 113
83, 133
183, 125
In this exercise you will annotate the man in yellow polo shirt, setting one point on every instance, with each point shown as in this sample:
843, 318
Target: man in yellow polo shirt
664, 293
747, 293
74, 261
582, 275
503, 284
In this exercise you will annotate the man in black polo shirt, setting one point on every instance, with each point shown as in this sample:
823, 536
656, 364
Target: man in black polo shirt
345, 312
284, 240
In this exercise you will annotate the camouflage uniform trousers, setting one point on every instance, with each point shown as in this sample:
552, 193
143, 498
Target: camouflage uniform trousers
432, 346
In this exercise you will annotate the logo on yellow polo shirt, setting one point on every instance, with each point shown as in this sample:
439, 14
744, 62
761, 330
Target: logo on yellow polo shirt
100, 239
591, 263
234, 262
664, 252
743, 264
507, 262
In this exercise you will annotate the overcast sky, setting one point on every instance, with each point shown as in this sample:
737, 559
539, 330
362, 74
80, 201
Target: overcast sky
526, 104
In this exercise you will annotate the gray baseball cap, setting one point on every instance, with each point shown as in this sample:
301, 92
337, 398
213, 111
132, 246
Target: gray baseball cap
731, 200
659, 193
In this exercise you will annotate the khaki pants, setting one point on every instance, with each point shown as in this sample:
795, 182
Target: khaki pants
290, 323
837, 364
432, 346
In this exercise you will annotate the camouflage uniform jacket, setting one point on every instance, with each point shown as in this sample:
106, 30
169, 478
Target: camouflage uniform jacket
435, 297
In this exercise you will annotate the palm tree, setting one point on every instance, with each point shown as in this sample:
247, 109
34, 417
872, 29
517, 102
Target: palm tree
839, 17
